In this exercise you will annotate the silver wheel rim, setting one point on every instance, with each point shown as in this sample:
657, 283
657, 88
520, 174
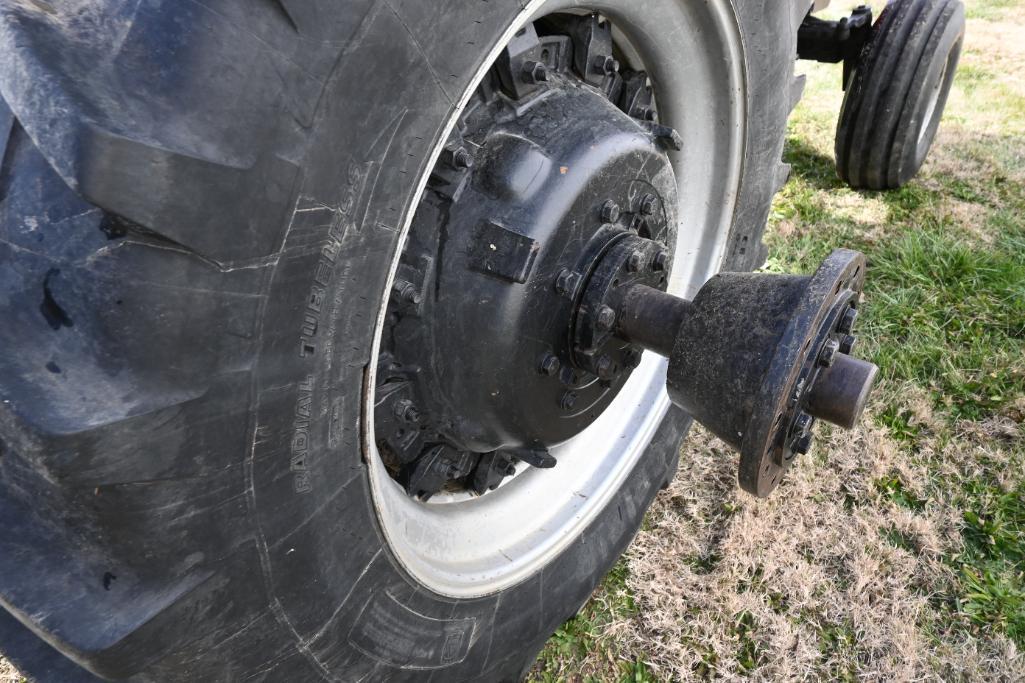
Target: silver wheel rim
462, 547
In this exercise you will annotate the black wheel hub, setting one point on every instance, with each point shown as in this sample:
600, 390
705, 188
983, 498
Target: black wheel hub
548, 196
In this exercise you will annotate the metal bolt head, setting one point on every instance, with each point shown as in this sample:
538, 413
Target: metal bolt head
535, 72
606, 64
605, 368
566, 282
827, 356
610, 211
461, 158
847, 343
510, 470
635, 261
631, 357
661, 261
648, 204
406, 411
802, 444
605, 319
846, 324
550, 365
568, 400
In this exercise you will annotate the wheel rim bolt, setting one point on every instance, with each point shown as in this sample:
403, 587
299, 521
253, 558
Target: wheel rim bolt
606, 64
828, 354
635, 261
606, 318
610, 211
847, 344
605, 367
461, 158
407, 291
510, 470
406, 411
568, 400
661, 261
632, 357
846, 324
648, 203
535, 72
550, 365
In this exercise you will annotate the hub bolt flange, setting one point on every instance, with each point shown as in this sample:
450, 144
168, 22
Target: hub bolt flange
605, 319
635, 261
847, 343
606, 64
566, 282
661, 261
605, 368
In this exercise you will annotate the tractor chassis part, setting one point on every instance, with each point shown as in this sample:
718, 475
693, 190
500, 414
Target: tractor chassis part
842, 40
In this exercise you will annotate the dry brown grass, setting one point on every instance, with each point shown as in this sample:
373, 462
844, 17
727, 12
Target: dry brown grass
8, 673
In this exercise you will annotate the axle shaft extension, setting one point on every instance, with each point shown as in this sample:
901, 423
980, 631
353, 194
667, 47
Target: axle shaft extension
758, 358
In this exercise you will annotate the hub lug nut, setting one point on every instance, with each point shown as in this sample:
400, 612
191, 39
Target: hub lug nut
803, 423
828, 354
406, 411
610, 211
635, 261
605, 319
847, 343
846, 324
802, 444
661, 261
648, 204
534, 72
632, 357
550, 365
568, 400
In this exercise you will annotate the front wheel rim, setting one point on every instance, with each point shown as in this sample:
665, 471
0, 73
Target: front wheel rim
461, 547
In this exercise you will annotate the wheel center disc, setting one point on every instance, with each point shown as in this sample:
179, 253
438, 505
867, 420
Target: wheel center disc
491, 348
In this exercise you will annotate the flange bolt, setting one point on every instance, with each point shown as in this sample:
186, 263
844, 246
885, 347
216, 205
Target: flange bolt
846, 324
535, 72
606, 64
566, 282
847, 343
632, 357
610, 211
605, 319
406, 411
407, 291
648, 204
550, 365
827, 356
803, 423
568, 400
635, 261
605, 368
661, 261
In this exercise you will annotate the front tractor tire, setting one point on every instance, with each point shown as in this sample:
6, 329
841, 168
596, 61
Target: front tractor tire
203, 213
